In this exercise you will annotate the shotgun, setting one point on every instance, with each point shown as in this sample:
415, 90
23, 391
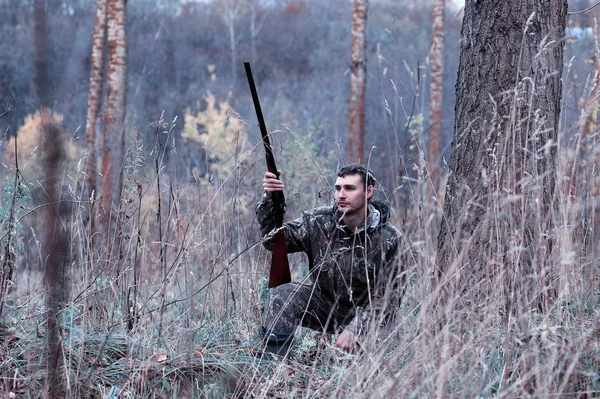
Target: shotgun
280, 268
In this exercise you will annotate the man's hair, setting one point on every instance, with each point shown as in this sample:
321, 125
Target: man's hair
365, 173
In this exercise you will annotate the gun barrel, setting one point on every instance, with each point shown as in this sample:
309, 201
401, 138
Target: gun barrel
261, 120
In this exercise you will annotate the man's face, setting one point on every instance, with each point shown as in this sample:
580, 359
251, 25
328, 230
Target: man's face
350, 195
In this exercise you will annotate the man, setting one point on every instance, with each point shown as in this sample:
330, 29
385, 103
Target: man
350, 247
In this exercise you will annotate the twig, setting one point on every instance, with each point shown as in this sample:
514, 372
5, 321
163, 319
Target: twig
584, 10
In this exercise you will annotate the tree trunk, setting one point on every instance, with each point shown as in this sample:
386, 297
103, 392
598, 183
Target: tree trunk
56, 254
358, 78
436, 90
42, 49
55, 243
114, 120
230, 10
94, 100
253, 33
497, 212
231, 17
255, 28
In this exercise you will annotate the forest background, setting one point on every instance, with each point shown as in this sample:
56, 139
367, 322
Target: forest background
171, 312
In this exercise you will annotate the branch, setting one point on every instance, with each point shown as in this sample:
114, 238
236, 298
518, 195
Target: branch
585, 10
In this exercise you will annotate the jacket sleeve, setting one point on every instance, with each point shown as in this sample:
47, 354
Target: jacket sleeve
387, 292
296, 232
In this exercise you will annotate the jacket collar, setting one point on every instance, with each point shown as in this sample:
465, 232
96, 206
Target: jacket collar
373, 219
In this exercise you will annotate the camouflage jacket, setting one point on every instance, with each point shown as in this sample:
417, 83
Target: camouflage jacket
356, 269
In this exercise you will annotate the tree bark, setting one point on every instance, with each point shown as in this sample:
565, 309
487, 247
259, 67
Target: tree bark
114, 121
95, 99
255, 28
56, 251
358, 78
436, 90
497, 211
55, 242
232, 12
42, 49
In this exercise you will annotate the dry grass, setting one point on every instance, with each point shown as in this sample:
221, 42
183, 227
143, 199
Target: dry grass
175, 310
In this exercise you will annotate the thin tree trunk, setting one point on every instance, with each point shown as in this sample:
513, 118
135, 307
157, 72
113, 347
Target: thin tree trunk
42, 50
94, 100
55, 246
436, 90
231, 14
253, 32
56, 251
497, 211
358, 78
114, 121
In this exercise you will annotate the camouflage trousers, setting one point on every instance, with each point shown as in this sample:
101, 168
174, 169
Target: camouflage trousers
292, 304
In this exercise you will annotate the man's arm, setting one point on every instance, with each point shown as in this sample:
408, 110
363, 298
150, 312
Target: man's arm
265, 209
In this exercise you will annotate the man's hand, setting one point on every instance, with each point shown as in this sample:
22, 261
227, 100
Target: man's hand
271, 183
346, 341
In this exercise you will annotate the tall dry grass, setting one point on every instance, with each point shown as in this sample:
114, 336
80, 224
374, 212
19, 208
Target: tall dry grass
174, 310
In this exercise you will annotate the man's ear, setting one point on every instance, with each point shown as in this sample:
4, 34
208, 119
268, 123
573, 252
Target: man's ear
370, 191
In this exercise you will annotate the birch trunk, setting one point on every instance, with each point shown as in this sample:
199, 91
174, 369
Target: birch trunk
356, 140
114, 121
436, 90
95, 99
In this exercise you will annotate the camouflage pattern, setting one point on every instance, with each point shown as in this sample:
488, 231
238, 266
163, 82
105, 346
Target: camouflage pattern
296, 304
352, 273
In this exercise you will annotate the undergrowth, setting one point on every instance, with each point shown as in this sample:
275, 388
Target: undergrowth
175, 311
